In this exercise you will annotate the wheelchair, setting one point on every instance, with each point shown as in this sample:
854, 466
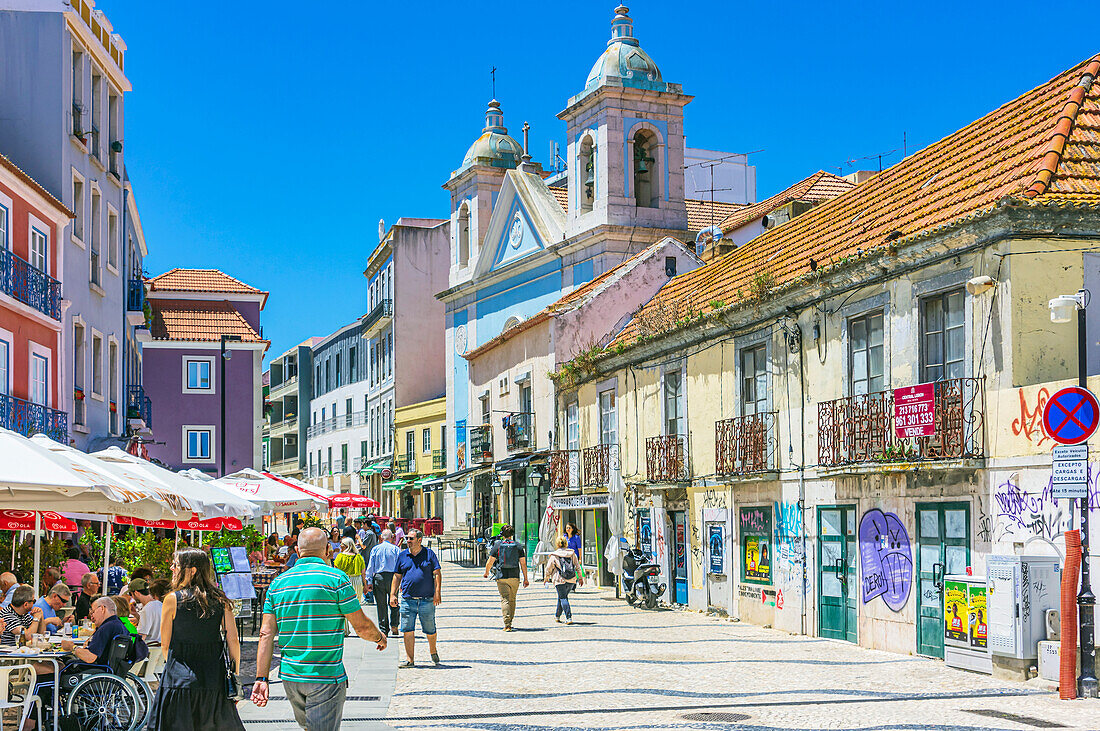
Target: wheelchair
99, 697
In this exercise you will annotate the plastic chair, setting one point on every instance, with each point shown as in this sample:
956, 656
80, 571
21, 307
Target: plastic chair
29, 699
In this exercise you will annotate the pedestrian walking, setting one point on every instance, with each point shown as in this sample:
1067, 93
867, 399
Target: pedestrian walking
562, 570
380, 567
351, 563
341, 519
192, 693
418, 578
334, 539
509, 560
574, 539
306, 607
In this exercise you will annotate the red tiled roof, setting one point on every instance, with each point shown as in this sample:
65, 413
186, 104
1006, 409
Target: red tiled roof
1041, 148
34, 184
200, 280
700, 213
821, 186
198, 320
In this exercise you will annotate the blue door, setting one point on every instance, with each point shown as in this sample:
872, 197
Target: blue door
679, 558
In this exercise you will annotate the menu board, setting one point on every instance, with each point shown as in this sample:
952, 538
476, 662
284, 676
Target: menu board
223, 564
239, 556
238, 586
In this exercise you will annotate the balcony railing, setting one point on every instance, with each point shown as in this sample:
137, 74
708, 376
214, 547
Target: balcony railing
289, 422
336, 423
378, 318
405, 464
135, 295
664, 459
138, 405
29, 418
481, 444
565, 470
290, 381
745, 445
597, 463
439, 460
520, 432
29, 285
861, 428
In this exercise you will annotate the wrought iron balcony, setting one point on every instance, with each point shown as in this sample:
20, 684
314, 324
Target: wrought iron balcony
481, 444
597, 463
29, 418
520, 432
378, 318
439, 460
405, 464
565, 470
135, 295
745, 445
664, 459
861, 428
29, 285
139, 406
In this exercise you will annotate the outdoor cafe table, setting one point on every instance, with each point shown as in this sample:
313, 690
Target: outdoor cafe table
8, 655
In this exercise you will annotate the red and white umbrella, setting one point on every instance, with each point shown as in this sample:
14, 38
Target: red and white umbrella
24, 520
351, 500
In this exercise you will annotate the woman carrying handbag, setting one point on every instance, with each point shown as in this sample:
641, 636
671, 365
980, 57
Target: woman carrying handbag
198, 686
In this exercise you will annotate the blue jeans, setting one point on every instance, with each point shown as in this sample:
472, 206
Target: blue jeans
411, 608
317, 706
563, 600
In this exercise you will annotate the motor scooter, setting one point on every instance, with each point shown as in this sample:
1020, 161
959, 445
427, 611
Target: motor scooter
641, 578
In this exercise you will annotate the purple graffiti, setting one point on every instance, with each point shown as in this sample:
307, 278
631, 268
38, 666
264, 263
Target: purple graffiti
885, 559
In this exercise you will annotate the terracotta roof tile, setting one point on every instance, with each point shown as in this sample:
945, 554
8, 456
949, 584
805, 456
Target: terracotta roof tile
198, 320
1035, 148
561, 194
22, 175
200, 280
821, 186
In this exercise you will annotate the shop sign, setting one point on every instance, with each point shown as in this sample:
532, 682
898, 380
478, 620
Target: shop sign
580, 502
716, 543
755, 529
915, 411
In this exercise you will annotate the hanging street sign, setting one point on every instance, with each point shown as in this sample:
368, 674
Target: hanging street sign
1071, 415
1070, 471
915, 411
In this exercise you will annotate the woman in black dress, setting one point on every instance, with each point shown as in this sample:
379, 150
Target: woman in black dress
192, 693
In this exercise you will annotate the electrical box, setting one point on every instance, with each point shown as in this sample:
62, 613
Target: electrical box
965, 624
1020, 591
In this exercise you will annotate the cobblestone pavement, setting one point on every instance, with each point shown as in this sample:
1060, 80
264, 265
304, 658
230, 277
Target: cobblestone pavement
619, 667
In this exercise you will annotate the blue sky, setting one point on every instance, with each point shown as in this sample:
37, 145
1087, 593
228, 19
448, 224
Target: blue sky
267, 139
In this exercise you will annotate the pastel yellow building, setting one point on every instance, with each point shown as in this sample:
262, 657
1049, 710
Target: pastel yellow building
420, 459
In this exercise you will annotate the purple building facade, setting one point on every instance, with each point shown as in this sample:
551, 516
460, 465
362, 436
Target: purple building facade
184, 371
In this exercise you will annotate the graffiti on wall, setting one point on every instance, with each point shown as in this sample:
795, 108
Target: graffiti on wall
885, 559
1022, 514
790, 557
1029, 424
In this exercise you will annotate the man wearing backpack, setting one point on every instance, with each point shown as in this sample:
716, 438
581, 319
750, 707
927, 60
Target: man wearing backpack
512, 561
562, 570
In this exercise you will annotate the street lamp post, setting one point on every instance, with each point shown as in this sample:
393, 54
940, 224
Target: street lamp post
225, 355
1061, 311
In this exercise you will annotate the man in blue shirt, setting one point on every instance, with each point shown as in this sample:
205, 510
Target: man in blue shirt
58, 597
419, 578
381, 563
8, 584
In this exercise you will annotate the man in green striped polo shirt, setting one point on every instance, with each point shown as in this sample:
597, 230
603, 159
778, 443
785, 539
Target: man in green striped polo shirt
306, 607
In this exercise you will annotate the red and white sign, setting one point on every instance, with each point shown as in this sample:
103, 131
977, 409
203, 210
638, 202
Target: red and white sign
387, 473
24, 520
915, 411
779, 599
351, 500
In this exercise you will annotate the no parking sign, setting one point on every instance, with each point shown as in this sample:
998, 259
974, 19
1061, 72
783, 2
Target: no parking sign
1071, 415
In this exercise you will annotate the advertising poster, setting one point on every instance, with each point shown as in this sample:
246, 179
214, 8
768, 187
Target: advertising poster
460, 445
755, 525
645, 532
956, 613
977, 616
715, 544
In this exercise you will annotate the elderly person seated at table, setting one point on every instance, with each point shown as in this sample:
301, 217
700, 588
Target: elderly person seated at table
89, 590
108, 628
8, 582
21, 617
49, 577
57, 597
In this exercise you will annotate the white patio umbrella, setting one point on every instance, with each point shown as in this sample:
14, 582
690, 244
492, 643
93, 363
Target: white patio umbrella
195, 473
270, 495
616, 518
548, 531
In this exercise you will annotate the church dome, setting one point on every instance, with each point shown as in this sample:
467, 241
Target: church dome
624, 63
494, 147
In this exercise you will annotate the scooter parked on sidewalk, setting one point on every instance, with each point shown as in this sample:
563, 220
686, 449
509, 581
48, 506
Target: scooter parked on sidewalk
641, 578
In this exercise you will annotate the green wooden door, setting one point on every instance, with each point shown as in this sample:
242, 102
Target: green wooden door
943, 547
836, 572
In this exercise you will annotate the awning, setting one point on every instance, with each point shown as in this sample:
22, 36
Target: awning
518, 463
468, 472
435, 483
423, 481
375, 467
393, 485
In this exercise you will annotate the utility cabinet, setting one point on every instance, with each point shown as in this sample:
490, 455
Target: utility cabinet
965, 624
1020, 591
